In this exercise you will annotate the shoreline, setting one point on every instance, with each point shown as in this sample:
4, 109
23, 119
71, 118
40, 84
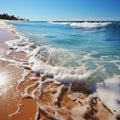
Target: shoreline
52, 100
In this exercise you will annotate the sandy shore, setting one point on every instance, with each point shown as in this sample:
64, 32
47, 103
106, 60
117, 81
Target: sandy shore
27, 96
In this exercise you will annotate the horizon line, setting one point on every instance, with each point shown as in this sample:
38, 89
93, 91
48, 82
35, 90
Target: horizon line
77, 19
74, 20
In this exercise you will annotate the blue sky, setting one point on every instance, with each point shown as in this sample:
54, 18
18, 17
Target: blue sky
62, 9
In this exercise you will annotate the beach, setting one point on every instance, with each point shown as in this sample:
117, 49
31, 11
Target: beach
27, 95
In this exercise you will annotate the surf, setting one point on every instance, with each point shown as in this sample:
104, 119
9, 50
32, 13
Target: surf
91, 61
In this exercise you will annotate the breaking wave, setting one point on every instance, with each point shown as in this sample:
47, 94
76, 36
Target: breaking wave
83, 24
62, 62
89, 24
59, 23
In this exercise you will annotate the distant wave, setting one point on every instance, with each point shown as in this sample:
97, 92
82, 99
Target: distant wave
59, 23
82, 24
89, 24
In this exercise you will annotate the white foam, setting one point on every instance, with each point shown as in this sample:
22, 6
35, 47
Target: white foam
89, 24
2, 23
109, 92
3, 77
59, 23
60, 74
16, 112
20, 45
58, 94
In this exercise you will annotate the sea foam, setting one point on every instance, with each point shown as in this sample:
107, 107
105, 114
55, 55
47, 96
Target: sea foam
83, 24
108, 91
59, 23
89, 24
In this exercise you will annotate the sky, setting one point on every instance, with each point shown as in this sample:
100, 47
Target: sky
62, 9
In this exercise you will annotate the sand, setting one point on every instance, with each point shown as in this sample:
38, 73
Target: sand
25, 95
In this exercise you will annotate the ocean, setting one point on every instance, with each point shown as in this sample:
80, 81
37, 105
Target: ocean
73, 51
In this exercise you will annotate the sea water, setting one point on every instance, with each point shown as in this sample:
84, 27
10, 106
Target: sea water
71, 50
85, 46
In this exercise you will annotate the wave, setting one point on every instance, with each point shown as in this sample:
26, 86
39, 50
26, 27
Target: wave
40, 62
75, 64
59, 23
60, 64
52, 61
84, 24
90, 24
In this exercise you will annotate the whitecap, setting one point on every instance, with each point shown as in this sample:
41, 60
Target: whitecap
59, 23
89, 24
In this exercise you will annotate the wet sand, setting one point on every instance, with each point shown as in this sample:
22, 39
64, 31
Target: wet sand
10, 98
13, 106
25, 95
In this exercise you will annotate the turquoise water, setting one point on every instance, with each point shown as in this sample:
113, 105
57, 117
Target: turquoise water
82, 46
